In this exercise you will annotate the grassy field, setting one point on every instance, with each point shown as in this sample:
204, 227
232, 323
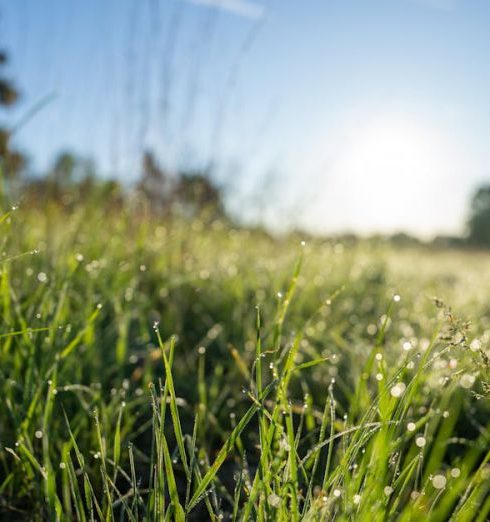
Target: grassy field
158, 370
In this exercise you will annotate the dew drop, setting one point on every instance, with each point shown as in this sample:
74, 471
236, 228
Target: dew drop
407, 345
274, 500
388, 490
439, 481
475, 345
397, 390
467, 381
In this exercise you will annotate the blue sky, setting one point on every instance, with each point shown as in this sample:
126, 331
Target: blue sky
331, 114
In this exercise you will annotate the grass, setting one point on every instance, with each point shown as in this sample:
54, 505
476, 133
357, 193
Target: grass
192, 371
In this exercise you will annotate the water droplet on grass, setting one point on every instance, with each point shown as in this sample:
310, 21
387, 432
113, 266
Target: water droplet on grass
475, 345
397, 390
274, 500
467, 380
439, 481
372, 329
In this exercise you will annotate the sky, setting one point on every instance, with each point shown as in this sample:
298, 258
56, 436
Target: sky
328, 115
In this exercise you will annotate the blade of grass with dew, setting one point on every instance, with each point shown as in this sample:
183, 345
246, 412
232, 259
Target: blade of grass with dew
173, 402
225, 450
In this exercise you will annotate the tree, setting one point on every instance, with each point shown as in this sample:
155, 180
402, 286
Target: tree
195, 193
479, 222
8, 93
154, 181
189, 192
12, 162
70, 180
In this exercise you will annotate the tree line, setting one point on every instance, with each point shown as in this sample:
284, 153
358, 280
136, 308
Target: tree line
73, 178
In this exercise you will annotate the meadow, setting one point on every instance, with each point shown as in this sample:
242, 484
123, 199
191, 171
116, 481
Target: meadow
163, 369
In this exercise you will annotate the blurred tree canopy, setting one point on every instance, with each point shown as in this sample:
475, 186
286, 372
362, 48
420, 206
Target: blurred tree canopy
187, 192
12, 162
195, 192
73, 178
8, 93
154, 182
479, 222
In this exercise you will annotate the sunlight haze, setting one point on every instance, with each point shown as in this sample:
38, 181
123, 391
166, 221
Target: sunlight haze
357, 116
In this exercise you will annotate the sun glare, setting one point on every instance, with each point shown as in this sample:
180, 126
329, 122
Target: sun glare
383, 166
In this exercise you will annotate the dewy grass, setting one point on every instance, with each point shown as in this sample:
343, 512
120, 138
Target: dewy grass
182, 371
